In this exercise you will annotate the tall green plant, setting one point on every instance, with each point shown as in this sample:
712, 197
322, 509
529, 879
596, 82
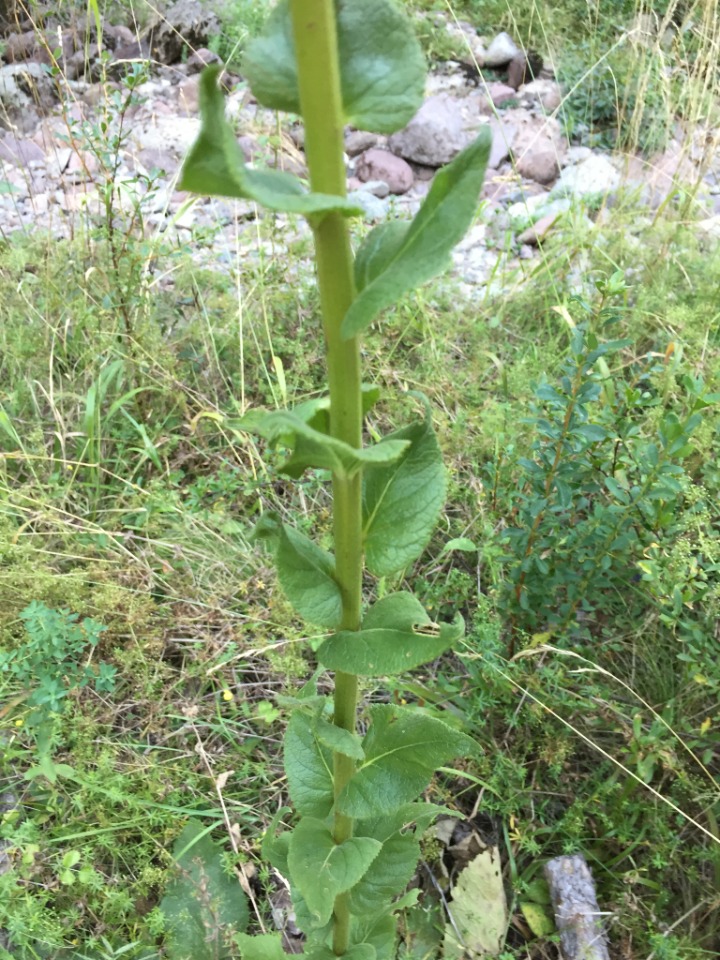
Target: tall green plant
355, 846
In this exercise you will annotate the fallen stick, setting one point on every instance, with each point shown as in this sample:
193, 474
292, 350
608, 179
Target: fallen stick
577, 915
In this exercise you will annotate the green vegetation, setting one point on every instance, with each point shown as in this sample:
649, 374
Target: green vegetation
576, 406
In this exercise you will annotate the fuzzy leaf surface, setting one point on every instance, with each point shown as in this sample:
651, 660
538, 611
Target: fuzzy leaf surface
339, 740
307, 576
441, 222
321, 868
311, 448
402, 501
402, 750
308, 765
203, 904
262, 946
388, 642
215, 165
382, 69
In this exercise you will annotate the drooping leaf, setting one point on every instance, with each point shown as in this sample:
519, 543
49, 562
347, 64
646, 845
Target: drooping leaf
339, 740
394, 866
308, 765
402, 750
402, 501
382, 69
441, 222
321, 868
316, 412
215, 165
202, 906
311, 448
479, 910
388, 642
307, 575
262, 946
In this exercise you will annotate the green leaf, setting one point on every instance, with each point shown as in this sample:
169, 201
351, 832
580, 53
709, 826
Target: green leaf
275, 848
379, 246
540, 919
479, 909
361, 951
402, 750
441, 222
311, 448
392, 869
388, 643
307, 575
263, 946
203, 906
402, 502
381, 64
215, 165
339, 740
380, 934
308, 765
321, 868
316, 412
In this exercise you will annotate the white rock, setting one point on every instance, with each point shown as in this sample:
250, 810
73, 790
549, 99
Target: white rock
596, 175
501, 51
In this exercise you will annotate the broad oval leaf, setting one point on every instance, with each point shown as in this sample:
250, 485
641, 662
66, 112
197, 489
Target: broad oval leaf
387, 643
215, 166
382, 69
402, 750
308, 765
262, 946
402, 502
321, 869
339, 740
202, 897
441, 222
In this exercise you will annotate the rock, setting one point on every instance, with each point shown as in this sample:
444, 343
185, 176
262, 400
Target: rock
378, 188
523, 68
23, 46
503, 135
358, 141
546, 93
576, 155
187, 24
80, 64
539, 230
501, 51
473, 261
526, 252
200, 59
500, 93
382, 165
538, 146
20, 152
161, 160
435, 134
540, 164
189, 94
374, 208
23, 87
710, 226
115, 36
596, 175
167, 133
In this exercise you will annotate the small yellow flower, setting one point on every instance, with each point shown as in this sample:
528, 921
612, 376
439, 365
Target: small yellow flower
18, 723
228, 695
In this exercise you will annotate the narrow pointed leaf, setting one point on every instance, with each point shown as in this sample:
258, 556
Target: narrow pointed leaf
311, 448
381, 64
321, 868
316, 412
441, 222
402, 502
388, 642
402, 750
215, 165
378, 248
308, 765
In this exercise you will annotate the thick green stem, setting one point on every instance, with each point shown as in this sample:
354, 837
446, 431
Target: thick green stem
316, 48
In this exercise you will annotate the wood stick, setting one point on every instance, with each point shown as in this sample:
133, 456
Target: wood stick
577, 915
